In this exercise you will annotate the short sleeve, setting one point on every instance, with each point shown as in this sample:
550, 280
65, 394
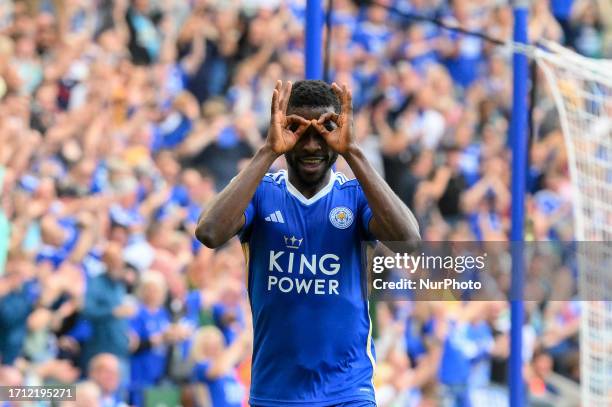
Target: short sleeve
192, 306
137, 326
200, 371
81, 331
249, 214
365, 216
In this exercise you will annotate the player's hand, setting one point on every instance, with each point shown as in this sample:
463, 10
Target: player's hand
342, 137
284, 130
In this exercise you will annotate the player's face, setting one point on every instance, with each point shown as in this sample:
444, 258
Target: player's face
311, 158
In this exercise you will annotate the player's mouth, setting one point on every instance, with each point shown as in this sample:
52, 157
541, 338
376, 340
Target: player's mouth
311, 163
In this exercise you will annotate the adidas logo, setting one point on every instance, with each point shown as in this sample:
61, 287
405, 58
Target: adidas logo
275, 217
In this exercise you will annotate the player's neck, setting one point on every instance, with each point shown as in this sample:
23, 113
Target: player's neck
308, 190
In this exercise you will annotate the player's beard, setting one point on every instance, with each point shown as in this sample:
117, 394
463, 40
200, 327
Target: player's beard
309, 178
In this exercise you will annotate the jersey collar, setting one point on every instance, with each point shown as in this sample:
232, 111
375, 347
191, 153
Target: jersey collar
309, 201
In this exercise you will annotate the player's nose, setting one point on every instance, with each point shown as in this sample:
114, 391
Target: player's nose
313, 142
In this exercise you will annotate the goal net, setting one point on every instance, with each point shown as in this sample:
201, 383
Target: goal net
582, 90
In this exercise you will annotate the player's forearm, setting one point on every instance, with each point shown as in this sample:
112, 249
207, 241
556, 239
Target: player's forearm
224, 217
391, 219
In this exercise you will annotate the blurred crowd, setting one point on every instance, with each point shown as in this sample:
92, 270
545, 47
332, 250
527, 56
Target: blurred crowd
121, 119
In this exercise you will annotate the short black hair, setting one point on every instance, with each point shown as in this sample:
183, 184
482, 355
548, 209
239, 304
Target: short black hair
313, 93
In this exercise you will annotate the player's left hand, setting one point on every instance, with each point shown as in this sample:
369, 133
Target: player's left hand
341, 138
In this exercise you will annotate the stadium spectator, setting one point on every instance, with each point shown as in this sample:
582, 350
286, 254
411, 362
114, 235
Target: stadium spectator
108, 309
10, 376
215, 364
87, 393
19, 295
104, 371
151, 328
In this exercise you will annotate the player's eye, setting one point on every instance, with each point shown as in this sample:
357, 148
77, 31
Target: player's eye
294, 126
329, 125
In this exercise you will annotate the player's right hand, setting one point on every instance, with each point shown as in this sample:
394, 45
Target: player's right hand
284, 131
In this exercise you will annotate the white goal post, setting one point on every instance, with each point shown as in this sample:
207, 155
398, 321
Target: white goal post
582, 90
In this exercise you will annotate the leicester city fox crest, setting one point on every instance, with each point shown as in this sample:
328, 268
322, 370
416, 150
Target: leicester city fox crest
341, 217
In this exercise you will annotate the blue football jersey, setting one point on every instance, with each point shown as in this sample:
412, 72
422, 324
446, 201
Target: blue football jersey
312, 330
